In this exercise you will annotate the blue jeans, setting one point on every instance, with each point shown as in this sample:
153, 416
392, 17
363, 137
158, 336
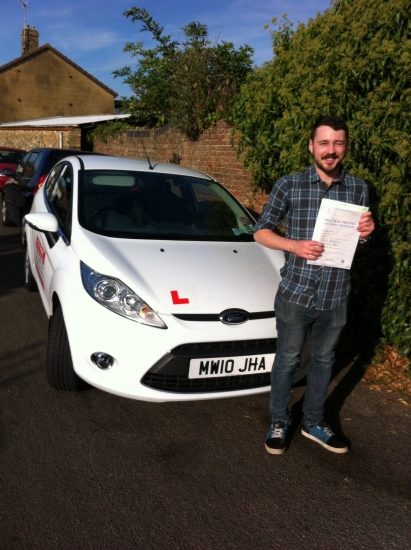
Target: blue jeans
294, 324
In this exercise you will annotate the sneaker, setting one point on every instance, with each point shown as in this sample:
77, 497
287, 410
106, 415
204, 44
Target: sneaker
275, 442
323, 434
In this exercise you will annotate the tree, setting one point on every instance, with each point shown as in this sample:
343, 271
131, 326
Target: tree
190, 85
354, 61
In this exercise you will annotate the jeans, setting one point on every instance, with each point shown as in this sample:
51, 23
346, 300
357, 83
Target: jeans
294, 324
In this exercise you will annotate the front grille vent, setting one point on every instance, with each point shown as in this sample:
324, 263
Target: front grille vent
216, 316
234, 345
183, 384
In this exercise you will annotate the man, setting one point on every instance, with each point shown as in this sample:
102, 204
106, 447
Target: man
311, 299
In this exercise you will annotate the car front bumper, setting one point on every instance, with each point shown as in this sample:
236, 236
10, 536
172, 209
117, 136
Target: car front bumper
151, 364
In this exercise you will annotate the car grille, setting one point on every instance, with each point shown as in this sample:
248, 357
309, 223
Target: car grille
170, 374
238, 346
183, 384
216, 316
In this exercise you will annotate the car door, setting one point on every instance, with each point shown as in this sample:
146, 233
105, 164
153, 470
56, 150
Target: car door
49, 255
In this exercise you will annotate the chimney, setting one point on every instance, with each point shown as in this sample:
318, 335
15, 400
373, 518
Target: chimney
29, 40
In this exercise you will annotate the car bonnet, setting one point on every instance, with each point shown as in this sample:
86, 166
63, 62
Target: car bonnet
187, 276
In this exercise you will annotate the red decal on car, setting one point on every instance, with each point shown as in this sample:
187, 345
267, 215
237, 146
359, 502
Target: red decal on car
40, 250
176, 298
40, 258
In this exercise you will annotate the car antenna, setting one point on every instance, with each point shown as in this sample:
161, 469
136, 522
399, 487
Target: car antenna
149, 163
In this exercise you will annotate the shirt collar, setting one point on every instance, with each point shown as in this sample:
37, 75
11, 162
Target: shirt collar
314, 177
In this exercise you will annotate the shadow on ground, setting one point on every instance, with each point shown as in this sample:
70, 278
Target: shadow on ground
354, 353
12, 271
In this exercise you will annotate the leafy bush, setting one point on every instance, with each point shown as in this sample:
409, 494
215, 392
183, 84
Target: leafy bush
191, 85
108, 130
354, 61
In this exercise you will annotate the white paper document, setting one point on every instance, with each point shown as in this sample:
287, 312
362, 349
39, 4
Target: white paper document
336, 228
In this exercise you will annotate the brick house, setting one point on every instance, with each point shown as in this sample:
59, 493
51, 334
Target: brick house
45, 83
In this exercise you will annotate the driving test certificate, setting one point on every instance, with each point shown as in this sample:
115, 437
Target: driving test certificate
336, 229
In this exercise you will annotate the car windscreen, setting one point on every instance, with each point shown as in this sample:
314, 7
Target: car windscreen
146, 205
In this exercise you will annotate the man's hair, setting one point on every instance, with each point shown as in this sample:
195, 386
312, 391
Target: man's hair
334, 122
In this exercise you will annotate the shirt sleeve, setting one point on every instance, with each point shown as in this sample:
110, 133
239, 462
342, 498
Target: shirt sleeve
365, 196
276, 207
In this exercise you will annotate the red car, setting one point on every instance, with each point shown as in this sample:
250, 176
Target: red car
9, 159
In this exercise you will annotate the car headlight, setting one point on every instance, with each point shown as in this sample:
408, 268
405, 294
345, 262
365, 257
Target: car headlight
118, 297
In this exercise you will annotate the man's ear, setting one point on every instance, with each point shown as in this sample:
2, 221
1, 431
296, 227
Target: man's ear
310, 146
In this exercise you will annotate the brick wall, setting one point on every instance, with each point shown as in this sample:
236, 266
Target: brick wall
212, 153
28, 138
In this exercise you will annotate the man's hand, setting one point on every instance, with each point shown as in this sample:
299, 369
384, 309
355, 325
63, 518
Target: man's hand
366, 225
310, 250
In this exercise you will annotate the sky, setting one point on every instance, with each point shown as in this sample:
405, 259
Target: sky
93, 33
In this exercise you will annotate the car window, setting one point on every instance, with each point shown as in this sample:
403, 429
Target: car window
20, 168
147, 205
11, 157
51, 178
59, 195
31, 165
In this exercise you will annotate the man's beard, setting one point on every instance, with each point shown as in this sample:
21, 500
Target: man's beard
327, 168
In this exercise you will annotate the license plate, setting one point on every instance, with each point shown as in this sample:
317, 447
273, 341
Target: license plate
231, 366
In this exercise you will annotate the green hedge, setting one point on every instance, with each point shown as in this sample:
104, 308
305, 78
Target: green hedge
354, 61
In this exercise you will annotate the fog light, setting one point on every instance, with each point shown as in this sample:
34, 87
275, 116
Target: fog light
102, 360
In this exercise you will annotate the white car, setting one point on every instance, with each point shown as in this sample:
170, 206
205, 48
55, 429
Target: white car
151, 279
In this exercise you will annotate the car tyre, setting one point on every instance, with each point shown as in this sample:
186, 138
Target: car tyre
29, 280
7, 222
60, 371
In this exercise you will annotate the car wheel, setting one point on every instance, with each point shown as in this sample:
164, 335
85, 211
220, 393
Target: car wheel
60, 371
23, 232
29, 280
4, 215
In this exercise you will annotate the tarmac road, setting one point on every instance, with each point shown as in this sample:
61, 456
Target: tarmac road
91, 470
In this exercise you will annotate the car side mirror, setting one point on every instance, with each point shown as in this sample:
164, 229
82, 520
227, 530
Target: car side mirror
6, 172
45, 223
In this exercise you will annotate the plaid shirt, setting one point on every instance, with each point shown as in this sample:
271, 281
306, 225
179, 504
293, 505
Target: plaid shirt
296, 199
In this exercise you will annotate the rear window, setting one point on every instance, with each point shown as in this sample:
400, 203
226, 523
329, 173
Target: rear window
32, 163
145, 205
11, 157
